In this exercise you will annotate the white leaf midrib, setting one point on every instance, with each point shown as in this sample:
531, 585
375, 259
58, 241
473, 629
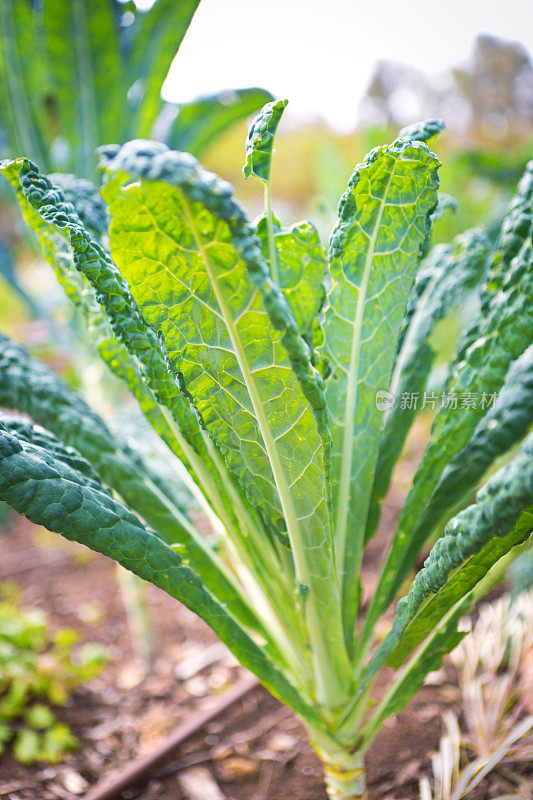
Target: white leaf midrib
291, 518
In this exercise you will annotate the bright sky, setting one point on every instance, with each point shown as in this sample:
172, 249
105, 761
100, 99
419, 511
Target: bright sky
320, 53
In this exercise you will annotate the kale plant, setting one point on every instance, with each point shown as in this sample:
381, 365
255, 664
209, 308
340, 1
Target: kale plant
281, 375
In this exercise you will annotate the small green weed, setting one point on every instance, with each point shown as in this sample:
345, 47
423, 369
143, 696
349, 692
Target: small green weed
39, 669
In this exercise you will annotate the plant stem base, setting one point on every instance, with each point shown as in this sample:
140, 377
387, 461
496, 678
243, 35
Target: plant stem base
345, 780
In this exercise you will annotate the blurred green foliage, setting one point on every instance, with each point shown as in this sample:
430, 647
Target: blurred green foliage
38, 669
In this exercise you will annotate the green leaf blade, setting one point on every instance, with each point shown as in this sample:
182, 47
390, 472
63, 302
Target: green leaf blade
260, 141
191, 311
85, 197
130, 347
424, 131
443, 590
383, 224
444, 638
301, 267
506, 422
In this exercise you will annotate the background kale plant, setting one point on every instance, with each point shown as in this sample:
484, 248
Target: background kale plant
76, 74
262, 362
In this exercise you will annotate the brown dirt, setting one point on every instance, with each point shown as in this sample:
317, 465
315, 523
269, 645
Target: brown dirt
256, 751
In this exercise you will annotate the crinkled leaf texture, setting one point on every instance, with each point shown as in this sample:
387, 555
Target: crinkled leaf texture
212, 316
295, 257
85, 197
136, 353
506, 422
208, 321
46, 482
424, 131
473, 542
